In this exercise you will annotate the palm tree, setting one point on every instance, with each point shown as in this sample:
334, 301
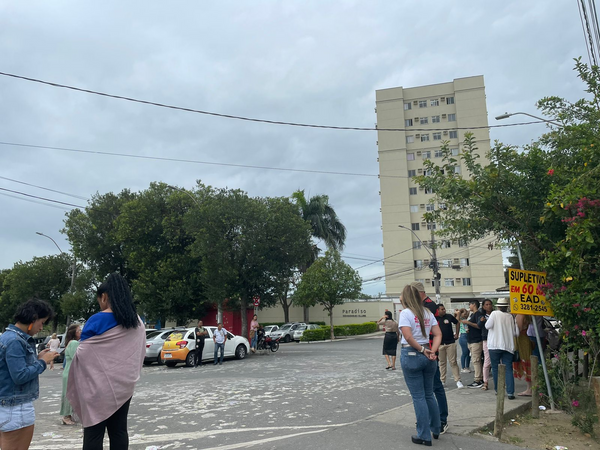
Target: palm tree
325, 225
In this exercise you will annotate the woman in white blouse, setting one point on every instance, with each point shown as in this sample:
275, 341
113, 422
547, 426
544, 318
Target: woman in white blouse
417, 359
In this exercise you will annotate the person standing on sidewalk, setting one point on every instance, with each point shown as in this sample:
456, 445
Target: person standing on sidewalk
486, 308
475, 342
390, 341
448, 347
417, 359
502, 330
254, 325
200, 333
465, 356
219, 338
438, 387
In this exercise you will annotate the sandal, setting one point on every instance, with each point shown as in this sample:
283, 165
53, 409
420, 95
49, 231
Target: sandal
393, 368
484, 386
388, 367
67, 421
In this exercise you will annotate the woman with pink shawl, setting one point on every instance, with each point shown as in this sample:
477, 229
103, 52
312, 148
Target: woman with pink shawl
107, 365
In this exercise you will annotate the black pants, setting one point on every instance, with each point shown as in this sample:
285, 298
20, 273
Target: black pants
93, 436
199, 349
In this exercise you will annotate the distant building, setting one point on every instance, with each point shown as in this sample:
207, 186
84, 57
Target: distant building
430, 114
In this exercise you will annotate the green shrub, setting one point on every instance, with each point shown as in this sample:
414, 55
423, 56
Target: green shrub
320, 334
339, 331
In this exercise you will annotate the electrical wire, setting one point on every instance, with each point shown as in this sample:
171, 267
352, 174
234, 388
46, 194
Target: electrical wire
64, 208
249, 119
44, 188
41, 198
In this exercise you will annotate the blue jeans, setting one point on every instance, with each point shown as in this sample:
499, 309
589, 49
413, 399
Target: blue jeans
498, 356
217, 347
440, 394
465, 357
419, 373
254, 340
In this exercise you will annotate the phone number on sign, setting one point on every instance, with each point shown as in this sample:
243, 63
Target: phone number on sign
536, 308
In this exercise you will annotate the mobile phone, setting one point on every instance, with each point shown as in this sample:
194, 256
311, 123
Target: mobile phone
60, 350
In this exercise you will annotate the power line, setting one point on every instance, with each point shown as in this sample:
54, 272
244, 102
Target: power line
41, 198
193, 161
44, 188
36, 202
248, 119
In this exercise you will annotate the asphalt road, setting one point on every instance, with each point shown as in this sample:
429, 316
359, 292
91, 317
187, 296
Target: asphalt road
323, 395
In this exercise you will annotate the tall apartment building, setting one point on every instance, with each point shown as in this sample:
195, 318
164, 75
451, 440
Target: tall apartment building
430, 115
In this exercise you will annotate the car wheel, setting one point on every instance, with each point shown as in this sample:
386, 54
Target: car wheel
240, 352
147, 363
170, 364
159, 361
190, 359
287, 338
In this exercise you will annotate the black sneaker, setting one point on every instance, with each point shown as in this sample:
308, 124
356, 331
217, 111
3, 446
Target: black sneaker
444, 428
475, 385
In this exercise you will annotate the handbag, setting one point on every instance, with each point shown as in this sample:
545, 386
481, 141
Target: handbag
516, 356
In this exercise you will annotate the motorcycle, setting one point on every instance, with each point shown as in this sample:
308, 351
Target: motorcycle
267, 343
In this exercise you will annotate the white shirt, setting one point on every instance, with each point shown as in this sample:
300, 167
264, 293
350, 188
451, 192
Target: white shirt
408, 319
220, 335
502, 331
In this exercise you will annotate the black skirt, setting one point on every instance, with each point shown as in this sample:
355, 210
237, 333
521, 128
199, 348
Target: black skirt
390, 343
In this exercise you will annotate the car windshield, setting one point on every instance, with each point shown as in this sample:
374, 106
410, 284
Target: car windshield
301, 328
285, 327
175, 336
153, 334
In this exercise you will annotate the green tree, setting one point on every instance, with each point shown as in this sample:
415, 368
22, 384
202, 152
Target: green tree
325, 225
47, 278
328, 282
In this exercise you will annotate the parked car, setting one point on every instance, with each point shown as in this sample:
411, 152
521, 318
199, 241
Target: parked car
299, 332
285, 333
180, 347
270, 328
154, 344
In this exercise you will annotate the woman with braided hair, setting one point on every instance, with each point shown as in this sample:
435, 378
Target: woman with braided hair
99, 389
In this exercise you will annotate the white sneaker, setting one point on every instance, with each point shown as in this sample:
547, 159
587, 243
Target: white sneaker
459, 385
465, 371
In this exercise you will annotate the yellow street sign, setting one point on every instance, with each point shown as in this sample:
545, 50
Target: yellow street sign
526, 296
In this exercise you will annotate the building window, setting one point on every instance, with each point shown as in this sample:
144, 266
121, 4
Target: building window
449, 100
410, 156
416, 245
431, 225
466, 282
446, 263
421, 280
424, 120
464, 262
428, 190
456, 169
407, 106
414, 226
426, 154
435, 119
445, 244
422, 103
453, 134
428, 172
412, 172
412, 191
462, 243
435, 102
437, 136
430, 207
451, 117
414, 208
448, 282
418, 263
425, 138
454, 152
442, 206
438, 153
408, 123
410, 139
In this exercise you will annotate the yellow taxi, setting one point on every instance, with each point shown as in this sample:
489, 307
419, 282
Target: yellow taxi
180, 347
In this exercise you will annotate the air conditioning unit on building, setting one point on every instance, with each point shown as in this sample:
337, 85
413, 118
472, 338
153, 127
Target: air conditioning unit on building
421, 188
422, 205
458, 280
442, 99
418, 153
418, 136
415, 102
427, 280
456, 266
416, 119
445, 133
420, 170
425, 262
444, 116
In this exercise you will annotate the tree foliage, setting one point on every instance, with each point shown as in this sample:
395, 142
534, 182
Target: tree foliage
328, 282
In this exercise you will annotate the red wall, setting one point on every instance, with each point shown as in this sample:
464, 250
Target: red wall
232, 320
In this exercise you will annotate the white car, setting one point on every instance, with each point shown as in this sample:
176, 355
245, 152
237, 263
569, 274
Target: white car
299, 332
284, 334
270, 328
180, 347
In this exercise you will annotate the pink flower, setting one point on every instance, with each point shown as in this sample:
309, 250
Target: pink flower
575, 403
575, 305
566, 332
583, 333
563, 288
577, 327
551, 172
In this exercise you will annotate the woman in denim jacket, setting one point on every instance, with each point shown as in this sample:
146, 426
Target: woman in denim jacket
20, 367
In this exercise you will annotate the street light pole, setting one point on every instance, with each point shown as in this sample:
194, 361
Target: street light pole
72, 269
507, 115
433, 264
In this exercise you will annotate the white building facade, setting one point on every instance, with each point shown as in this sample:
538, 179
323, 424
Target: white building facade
430, 115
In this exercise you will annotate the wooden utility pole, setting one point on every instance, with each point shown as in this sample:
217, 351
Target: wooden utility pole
535, 398
499, 422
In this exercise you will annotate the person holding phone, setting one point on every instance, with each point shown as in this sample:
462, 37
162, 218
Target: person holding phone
20, 368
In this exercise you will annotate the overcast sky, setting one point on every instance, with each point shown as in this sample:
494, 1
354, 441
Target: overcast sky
316, 62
